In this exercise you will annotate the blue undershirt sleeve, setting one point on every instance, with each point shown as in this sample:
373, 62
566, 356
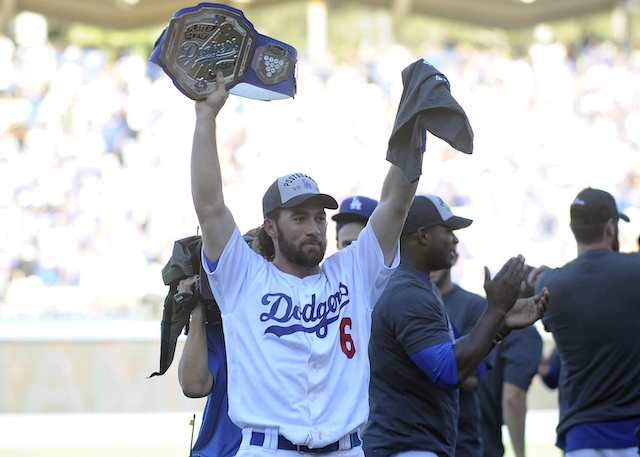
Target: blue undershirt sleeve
439, 363
212, 265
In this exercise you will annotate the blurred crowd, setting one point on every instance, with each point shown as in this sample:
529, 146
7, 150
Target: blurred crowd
94, 158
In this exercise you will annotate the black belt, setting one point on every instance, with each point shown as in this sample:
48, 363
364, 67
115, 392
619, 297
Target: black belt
257, 439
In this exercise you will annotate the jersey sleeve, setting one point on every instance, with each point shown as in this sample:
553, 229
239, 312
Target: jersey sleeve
439, 363
236, 264
420, 322
363, 264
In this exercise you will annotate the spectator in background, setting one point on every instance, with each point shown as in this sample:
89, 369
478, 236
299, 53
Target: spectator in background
593, 316
502, 392
353, 216
83, 141
464, 308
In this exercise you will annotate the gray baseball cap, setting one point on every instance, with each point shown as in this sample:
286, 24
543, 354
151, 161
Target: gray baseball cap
292, 190
430, 210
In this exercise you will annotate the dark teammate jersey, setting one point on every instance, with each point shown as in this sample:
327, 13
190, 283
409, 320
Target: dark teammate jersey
464, 309
594, 315
408, 411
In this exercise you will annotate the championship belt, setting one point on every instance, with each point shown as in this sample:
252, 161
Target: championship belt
210, 37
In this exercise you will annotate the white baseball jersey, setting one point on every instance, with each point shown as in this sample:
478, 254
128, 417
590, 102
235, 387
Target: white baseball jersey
297, 347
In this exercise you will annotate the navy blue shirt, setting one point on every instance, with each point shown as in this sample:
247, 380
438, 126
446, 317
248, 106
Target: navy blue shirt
464, 309
594, 315
408, 411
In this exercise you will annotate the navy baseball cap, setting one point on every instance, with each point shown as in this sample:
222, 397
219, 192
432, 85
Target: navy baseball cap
355, 209
292, 190
430, 210
592, 206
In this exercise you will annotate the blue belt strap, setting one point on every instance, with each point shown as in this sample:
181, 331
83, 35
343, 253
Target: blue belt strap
257, 439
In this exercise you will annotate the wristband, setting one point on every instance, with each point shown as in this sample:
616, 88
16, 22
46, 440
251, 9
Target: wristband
497, 339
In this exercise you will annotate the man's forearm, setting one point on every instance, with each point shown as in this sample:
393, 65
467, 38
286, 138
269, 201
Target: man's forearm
216, 221
471, 350
206, 176
388, 218
193, 369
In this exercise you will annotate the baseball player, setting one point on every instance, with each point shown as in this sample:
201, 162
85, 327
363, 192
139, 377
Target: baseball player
417, 364
296, 332
594, 318
353, 216
464, 310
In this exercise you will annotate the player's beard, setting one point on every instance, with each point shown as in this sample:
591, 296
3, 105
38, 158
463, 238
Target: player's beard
298, 255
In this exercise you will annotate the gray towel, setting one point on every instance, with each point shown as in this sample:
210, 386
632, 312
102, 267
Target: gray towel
426, 104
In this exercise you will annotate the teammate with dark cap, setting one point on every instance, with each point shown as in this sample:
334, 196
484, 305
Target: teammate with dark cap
354, 213
594, 316
416, 363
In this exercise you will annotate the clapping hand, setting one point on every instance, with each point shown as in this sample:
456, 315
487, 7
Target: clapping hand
503, 290
527, 310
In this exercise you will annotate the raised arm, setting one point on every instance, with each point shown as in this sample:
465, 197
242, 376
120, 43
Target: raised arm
389, 216
215, 219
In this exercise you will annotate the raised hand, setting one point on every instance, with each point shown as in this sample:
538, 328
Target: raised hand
186, 285
503, 290
527, 310
216, 99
